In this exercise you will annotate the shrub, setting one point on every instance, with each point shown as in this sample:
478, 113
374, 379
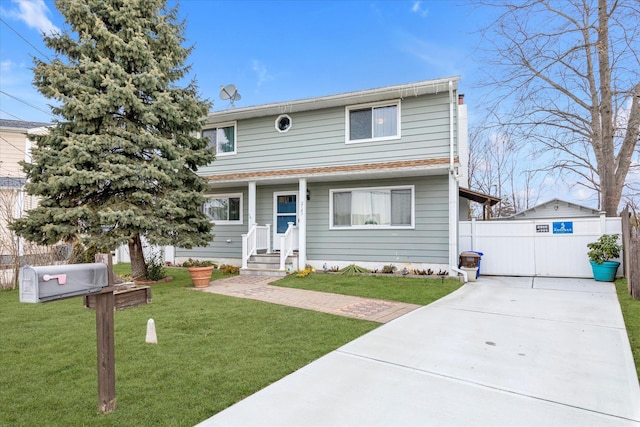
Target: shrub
604, 249
389, 269
353, 269
155, 268
229, 269
83, 254
303, 273
197, 263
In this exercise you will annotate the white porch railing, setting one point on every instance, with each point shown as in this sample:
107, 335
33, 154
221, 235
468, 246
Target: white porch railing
257, 238
287, 242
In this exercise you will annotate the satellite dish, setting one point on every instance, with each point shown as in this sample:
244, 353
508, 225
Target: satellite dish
229, 92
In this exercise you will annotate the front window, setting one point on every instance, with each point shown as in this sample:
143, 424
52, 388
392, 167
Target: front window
389, 207
224, 208
373, 122
222, 138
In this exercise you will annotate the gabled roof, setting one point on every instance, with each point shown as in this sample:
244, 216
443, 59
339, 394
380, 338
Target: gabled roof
20, 124
556, 208
358, 97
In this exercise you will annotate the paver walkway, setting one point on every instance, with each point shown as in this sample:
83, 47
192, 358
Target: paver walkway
259, 288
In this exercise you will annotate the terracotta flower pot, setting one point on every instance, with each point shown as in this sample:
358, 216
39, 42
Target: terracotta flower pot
201, 276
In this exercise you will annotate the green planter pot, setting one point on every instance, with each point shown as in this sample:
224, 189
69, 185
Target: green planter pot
605, 272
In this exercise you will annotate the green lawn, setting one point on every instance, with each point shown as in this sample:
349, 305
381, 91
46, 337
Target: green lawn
631, 312
212, 351
405, 289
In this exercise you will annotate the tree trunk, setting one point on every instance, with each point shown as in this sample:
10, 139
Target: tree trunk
138, 265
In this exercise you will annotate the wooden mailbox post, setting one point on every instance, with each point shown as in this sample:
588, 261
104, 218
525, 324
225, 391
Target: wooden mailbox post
52, 283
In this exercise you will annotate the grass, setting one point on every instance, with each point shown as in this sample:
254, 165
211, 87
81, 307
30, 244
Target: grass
631, 313
212, 351
404, 289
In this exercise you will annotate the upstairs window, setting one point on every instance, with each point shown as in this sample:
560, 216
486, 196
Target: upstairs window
385, 207
224, 208
373, 122
222, 138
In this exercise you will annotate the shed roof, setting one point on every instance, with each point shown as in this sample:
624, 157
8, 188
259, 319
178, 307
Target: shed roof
556, 208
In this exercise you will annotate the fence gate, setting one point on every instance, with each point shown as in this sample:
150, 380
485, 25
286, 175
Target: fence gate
544, 247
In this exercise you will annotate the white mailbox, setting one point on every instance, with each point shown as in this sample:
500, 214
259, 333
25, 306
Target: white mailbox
51, 282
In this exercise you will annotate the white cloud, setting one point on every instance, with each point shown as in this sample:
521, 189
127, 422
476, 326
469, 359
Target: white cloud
7, 65
261, 70
34, 14
417, 8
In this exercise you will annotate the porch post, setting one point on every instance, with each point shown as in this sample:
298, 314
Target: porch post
302, 223
252, 203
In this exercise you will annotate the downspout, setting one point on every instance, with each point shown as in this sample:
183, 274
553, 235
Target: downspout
451, 140
453, 195
465, 276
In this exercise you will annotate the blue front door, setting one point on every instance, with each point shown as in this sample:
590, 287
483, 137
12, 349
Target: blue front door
285, 211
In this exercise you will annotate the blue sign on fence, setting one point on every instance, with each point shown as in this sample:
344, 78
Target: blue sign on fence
563, 227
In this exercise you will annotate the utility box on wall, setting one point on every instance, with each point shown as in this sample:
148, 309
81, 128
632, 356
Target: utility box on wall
52, 282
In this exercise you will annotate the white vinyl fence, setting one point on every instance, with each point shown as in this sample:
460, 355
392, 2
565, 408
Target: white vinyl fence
547, 247
166, 253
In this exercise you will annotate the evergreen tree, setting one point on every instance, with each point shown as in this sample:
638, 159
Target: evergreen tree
120, 162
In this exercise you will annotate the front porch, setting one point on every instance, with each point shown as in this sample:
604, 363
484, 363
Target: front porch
280, 250
258, 258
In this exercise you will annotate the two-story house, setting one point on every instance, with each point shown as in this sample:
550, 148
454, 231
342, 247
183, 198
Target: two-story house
368, 177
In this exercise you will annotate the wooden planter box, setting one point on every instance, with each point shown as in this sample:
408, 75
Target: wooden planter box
124, 298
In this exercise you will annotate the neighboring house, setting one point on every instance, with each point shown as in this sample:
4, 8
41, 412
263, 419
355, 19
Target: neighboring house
368, 177
556, 208
15, 146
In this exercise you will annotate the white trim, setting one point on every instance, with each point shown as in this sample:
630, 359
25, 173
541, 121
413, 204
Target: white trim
302, 221
235, 136
281, 116
228, 196
372, 105
374, 227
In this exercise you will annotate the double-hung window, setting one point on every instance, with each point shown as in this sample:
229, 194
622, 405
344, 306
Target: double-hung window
224, 208
383, 207
371, 122
222, 138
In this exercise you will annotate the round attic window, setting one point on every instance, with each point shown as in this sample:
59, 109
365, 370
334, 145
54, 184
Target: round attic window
283, 123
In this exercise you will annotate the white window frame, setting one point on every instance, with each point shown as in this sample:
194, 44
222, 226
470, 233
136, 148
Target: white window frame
280, 117
235, 137
372, 105
374, 226
228, 196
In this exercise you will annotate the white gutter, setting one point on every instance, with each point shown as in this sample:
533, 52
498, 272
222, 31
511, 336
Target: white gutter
339, 100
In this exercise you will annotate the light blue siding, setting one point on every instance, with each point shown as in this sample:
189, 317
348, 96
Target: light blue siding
317, 139
426, 243
220, 247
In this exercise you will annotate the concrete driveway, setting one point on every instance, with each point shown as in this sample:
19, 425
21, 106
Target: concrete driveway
497, 352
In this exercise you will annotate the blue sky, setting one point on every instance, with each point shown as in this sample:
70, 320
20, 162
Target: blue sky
275, 50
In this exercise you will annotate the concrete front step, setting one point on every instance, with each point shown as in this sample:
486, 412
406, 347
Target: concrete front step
274, 272
268, 265
269, 258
